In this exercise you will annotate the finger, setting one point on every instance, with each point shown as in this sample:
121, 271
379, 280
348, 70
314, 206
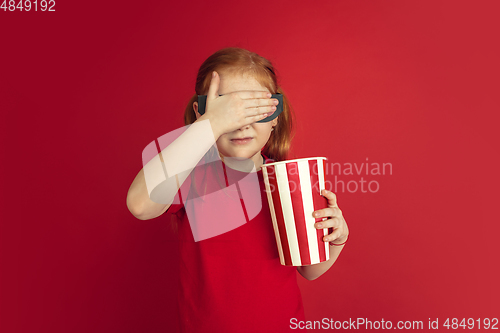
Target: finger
261, 103
335, 222
254, 94
260, 106
213, 90
332, 198
259, 99
256, 98
256, 118
261, 112
334, 235
327, 212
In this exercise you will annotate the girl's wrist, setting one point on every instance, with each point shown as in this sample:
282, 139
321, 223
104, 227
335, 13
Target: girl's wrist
213, 125
340, 241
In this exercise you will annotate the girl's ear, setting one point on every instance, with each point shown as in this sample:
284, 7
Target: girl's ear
195, 107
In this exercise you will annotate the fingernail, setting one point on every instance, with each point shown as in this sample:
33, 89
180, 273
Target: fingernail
213, 74
319, 225
269, 95
316, 214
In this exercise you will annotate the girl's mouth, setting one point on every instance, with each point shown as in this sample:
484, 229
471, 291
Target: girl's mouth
241, 141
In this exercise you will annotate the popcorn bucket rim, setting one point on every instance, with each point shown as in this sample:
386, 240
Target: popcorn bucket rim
294, 160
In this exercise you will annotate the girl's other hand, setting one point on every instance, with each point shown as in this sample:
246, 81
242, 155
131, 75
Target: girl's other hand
335, 220
235, 110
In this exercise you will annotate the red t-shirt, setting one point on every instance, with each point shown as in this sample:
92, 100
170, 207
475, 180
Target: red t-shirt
233, 282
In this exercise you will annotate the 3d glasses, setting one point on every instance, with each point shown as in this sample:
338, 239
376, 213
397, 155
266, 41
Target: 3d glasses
202, 101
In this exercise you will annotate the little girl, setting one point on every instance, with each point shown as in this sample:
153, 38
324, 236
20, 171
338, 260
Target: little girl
231, 279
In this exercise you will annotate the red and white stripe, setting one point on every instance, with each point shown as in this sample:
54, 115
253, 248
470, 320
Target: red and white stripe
292, 200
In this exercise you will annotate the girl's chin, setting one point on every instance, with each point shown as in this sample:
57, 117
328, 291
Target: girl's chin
240, 155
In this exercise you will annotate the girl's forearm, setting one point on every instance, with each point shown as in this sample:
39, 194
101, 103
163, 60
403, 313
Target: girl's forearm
155, 186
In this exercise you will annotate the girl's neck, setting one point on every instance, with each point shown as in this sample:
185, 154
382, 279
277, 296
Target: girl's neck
243, 164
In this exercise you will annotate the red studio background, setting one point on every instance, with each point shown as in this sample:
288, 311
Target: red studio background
410, 84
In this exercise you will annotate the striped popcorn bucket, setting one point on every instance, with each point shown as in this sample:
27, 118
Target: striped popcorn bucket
294, 192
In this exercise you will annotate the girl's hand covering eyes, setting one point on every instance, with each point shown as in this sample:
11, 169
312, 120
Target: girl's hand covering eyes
234, 110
